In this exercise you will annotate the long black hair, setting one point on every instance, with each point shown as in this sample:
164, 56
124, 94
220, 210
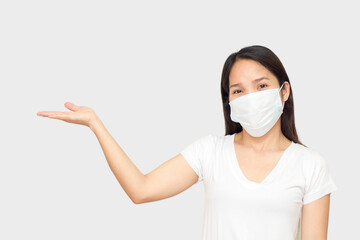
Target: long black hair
269, 60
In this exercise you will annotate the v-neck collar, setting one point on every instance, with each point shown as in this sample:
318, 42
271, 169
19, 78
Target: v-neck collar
240, 173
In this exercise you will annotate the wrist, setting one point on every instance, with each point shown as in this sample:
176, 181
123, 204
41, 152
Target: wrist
94, 124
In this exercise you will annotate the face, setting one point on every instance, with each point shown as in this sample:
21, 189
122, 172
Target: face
248, 76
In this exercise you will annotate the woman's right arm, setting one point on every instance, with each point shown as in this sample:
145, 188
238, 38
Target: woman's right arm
170, 178
131, 179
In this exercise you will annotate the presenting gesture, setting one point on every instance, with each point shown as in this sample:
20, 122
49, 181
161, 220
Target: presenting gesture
169, 179
79, 115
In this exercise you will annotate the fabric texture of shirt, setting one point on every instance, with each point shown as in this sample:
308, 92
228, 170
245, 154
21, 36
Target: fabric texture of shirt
239, 209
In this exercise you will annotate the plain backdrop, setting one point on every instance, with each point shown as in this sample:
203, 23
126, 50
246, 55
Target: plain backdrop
151, 70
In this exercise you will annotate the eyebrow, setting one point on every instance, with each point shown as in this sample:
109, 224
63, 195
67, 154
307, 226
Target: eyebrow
255, 80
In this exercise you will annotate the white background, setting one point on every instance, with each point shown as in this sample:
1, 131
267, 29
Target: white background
151, 70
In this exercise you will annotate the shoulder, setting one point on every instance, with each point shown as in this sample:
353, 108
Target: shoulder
218, 139
203, 141
306, 152
211, 137
211, 140
310, 158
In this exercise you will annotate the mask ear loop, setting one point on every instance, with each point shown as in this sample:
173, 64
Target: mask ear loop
283, 104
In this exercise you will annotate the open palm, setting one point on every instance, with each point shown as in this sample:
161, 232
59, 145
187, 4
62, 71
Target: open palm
80, 114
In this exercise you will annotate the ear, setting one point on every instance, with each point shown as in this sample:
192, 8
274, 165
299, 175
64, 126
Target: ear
285, 91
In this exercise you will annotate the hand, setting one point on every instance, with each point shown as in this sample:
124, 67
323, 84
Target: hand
80, 115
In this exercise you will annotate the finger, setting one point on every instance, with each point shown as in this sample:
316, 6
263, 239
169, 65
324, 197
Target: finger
53, 116
61, 116
46, 113
71, 106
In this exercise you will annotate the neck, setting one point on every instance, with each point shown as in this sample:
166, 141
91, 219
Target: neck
273, 140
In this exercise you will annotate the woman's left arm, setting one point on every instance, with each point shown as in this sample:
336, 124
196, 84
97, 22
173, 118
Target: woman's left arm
315, 218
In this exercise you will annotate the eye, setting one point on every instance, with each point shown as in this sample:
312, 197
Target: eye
235, 91
265, 85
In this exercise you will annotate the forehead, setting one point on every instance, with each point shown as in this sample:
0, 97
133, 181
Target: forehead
246, 70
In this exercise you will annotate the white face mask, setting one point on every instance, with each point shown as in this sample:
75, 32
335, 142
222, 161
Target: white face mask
257, 112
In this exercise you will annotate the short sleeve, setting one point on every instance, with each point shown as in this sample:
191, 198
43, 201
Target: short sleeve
197, 153
319, 181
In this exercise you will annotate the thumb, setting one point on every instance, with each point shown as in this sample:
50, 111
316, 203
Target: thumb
71, 106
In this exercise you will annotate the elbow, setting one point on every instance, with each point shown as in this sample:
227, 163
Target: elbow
135, 200
138, 199
140, 195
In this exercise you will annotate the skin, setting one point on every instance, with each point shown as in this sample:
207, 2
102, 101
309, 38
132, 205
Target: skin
257, 156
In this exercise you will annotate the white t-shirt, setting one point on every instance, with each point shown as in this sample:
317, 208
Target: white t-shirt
239, 209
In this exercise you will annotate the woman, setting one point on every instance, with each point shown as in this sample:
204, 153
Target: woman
260, 181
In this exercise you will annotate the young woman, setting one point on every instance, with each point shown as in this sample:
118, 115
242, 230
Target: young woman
260, 181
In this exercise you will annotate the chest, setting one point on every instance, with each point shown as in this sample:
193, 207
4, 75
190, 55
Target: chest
256, 166
238, 178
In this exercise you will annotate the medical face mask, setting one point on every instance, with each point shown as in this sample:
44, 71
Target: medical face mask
257, 112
